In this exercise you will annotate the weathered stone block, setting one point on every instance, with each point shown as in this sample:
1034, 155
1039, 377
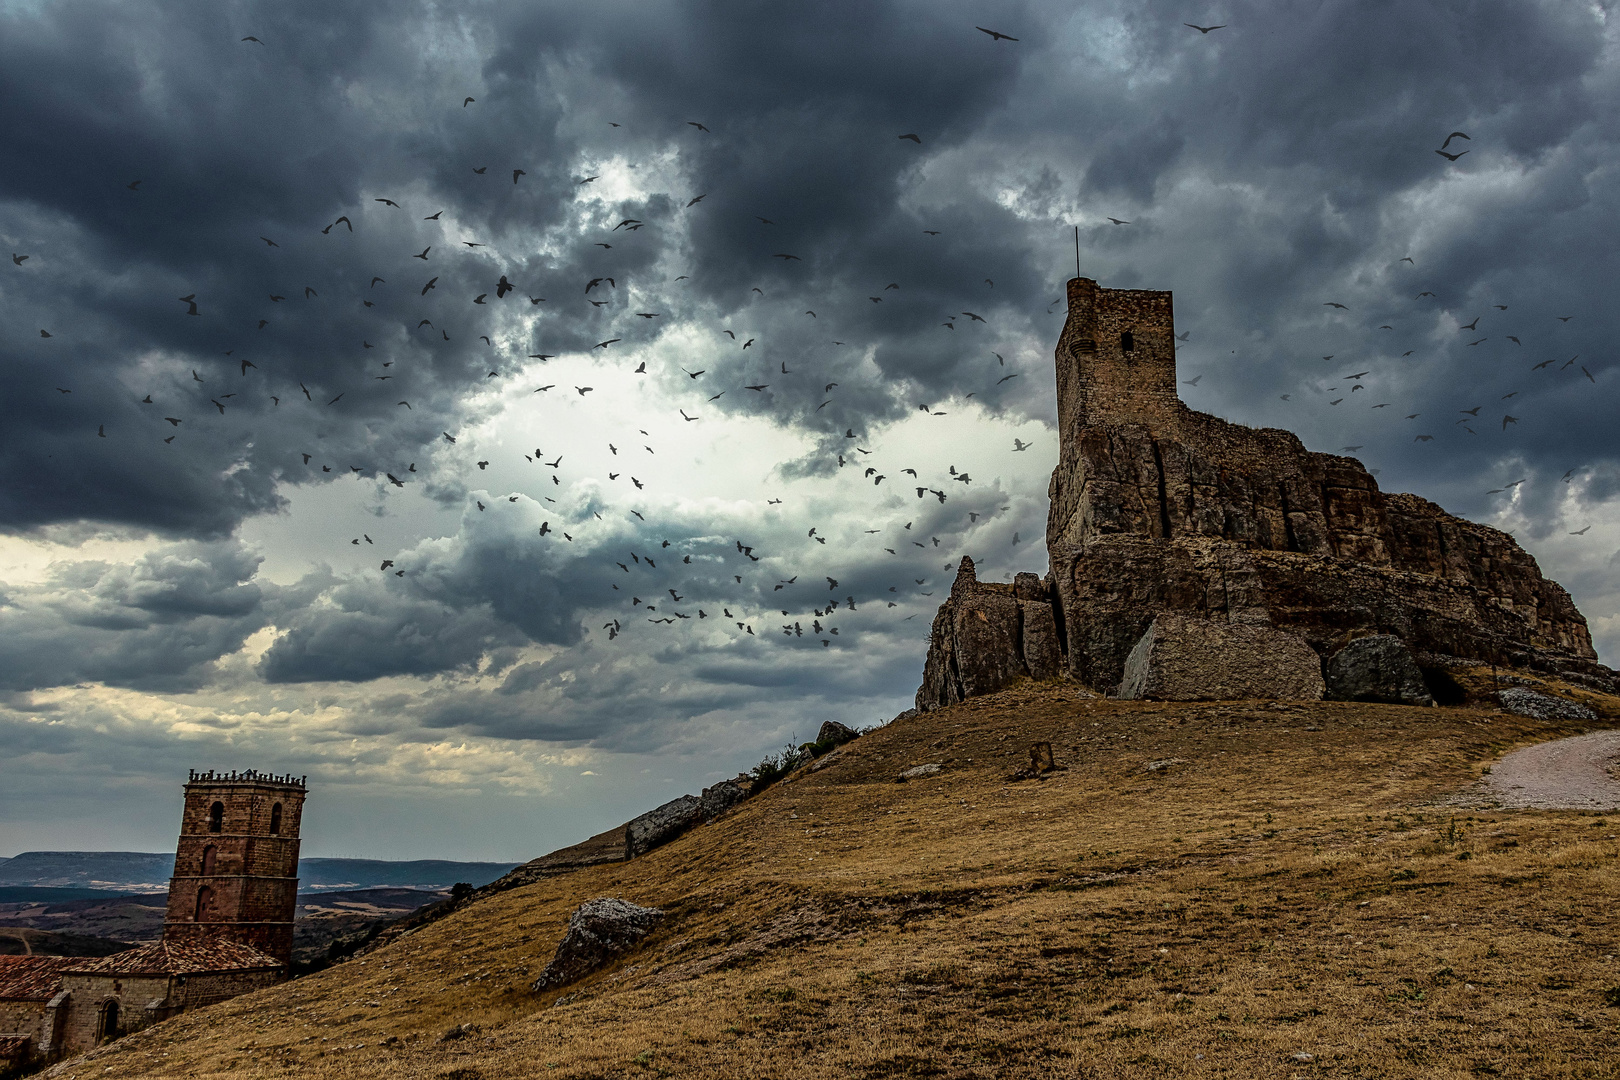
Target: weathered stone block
1183, 658
598, 931
1377, 668
662, 824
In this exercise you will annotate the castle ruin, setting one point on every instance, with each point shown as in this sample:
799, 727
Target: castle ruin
1156, 508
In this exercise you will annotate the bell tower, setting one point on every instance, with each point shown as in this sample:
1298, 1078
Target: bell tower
236, 865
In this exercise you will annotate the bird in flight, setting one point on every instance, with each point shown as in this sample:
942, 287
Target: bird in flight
700, 127
1454, 135
1581, 532
994, 36
914, 138
1206, 29
423, 256
389, 202
1331, 304
1450, 157
1119, 221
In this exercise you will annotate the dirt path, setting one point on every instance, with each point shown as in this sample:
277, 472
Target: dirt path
1578, 773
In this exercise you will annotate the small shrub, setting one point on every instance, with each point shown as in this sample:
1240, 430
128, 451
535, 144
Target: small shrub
776, 766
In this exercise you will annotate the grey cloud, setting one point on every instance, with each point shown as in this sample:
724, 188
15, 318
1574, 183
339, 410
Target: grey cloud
155, 624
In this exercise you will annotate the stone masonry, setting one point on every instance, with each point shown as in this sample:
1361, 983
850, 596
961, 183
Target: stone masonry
1157, 508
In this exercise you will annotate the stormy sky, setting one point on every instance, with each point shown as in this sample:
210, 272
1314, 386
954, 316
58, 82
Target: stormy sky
289, 478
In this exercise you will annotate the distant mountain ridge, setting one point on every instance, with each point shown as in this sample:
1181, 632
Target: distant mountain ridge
141, 871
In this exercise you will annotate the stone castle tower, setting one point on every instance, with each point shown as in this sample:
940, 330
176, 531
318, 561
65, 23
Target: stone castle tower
236, 865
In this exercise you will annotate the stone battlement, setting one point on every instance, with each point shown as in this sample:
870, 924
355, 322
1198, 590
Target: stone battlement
246, 776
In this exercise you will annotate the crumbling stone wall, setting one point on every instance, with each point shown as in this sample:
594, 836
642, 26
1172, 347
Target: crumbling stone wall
989, 634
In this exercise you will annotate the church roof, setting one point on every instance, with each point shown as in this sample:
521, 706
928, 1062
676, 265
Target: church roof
178, 958
32, 978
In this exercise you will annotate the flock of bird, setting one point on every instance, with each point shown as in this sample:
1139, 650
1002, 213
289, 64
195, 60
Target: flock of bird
645, 585
1350, 383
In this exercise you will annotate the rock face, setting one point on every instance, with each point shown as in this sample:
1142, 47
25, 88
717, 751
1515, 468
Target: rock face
1187, 658
1157, 508
598, 931
987, 635
1377, 668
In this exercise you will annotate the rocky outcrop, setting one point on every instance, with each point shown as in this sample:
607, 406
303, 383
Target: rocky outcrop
989, 634
1186, 658
598, 931
1157, 508
664, 823
1377, 668
1526, 702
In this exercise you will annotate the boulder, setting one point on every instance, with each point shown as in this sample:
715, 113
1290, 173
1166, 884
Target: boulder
598, 931
1377, 668
1185, 658
833, 733
1539, 706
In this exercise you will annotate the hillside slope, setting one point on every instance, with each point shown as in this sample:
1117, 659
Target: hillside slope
1202, 890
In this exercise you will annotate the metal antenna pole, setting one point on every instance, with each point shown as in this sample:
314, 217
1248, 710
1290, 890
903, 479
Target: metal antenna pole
1077, 251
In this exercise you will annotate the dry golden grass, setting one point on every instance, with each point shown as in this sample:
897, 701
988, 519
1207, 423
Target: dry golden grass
1293, 881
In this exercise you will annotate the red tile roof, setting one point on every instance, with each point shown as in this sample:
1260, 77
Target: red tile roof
33, 978
173, 958
13, 1047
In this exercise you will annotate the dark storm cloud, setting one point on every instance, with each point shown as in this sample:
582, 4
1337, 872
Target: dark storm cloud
156, 624
1265, 170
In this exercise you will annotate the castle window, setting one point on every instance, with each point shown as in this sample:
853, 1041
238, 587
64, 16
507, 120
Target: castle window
1127, 342
205, 903
216, 817
208, 859
275, 820
109, 1020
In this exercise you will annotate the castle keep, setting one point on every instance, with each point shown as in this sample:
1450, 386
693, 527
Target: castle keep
1160, 510
228, 928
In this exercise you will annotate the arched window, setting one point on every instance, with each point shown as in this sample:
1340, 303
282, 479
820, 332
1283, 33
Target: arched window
1127, 342
209, 853
216, 817
205, 903
275, 820
109, 1020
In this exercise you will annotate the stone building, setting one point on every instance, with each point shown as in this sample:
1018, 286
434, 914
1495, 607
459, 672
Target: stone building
1158, 509
228, 928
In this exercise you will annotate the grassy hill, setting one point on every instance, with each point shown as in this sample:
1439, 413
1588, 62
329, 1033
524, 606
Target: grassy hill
1202, 890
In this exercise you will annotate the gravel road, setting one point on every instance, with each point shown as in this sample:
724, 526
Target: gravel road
1578, 773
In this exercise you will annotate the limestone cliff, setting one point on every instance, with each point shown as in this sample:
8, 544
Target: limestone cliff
1155, 507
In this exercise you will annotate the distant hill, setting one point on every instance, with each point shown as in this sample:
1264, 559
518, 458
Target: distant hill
139, 871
